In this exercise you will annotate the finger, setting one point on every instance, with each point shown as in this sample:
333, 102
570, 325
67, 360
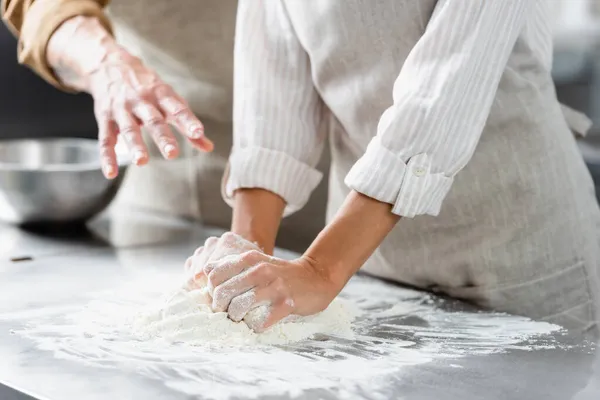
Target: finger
241, 305
160, 132
198, 281
230, 266
276, 313
223, 294
256, 318
179, 114
107, 138
199, 259
199, 251
188, 274
129, 129
281, 305
232, 244
257, 277
194, 280
211, 242
208, 249
203, 144
202, 254
235, 241
188, 263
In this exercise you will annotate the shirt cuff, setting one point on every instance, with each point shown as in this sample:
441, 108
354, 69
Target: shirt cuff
410, 187
275, 171
43, 18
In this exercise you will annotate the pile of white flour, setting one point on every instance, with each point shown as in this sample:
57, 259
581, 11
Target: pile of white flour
183, 316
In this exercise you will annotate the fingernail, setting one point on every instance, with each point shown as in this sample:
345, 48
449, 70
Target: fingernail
109, 171
169, 150
196, 131
138, 157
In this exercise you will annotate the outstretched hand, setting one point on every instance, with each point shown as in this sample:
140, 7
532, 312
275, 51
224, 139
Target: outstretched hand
127, 94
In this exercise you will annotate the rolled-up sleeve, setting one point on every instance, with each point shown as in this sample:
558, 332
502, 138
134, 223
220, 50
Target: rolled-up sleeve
442, 99
34, 22
277, 111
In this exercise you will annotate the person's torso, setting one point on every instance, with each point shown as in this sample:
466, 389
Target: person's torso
525, 179
357, 48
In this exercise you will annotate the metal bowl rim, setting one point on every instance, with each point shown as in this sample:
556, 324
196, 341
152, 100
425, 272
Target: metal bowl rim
122, 160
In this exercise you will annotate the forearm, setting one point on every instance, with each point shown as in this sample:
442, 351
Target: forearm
348, 241
77, 48
257, 214
432, 130
36, 22
277, 110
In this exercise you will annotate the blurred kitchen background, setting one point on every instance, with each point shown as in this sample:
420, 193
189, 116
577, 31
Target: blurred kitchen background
31, 108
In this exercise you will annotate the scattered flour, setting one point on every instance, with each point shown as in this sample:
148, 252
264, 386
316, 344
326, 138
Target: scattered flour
204, 355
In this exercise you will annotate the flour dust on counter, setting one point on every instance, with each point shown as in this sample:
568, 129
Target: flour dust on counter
393, 329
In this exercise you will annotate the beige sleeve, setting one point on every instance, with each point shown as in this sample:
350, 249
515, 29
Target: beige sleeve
34, 22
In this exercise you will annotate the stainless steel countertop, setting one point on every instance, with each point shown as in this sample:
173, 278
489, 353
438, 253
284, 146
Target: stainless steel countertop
67, 264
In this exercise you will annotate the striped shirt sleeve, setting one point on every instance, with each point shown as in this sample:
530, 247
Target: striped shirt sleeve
277, 111
442, 98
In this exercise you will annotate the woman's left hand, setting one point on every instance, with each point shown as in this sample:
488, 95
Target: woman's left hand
241, 283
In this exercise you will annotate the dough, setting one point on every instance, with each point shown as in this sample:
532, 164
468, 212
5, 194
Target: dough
186, 316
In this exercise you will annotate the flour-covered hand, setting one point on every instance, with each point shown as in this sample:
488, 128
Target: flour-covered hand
242, 283
214, 248
127, 94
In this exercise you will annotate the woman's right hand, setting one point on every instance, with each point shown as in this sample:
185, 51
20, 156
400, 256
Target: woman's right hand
127, 94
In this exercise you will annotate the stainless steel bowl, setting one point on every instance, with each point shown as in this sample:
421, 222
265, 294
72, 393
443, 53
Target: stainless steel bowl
53, 180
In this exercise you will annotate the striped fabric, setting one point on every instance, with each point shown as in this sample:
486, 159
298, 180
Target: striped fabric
445, 109
441, 97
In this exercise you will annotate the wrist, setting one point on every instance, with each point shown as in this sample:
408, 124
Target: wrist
78, 48
332, 270
257, 214
346, 243
265, 244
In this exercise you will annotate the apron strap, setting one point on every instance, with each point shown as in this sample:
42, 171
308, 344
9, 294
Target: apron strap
578, 122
